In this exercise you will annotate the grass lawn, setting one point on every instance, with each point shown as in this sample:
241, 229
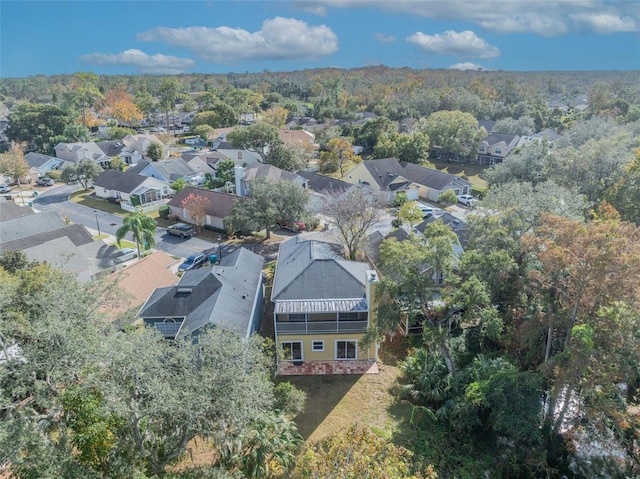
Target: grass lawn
82, 198
469, 172
335, 402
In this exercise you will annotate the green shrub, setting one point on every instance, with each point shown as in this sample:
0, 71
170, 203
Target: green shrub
478, 192
163, 212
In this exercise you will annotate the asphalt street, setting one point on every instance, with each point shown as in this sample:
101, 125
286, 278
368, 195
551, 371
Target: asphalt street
57, 199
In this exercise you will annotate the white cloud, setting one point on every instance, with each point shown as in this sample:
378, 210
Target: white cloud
546, 18
464, 44
467, 66
384, 38
141, 61
279, 39
605, 22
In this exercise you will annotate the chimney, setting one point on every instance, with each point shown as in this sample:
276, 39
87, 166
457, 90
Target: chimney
238, 172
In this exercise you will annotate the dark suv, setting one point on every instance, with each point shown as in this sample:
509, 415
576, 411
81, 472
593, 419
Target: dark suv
192, 262
181, 229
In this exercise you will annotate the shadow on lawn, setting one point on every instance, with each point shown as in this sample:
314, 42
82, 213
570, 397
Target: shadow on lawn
326, 391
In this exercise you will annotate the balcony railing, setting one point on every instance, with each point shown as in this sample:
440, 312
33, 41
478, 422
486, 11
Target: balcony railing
312, 327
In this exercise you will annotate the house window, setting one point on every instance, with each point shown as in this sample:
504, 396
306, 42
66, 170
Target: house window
348, 316
291, 350
498, 151
317, 345
297, 317
347, 349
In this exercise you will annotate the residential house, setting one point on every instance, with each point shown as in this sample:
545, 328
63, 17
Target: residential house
302, 138
386, 175
140, 278
269, 172
432, 183
74, 152
168, 171
228, 295
218, 206
199, 164
44, 163
323, 305
113, 148
375, 239
131, 190
495, 148
239, 156
321, 188
141, 142
46, 237
456, 225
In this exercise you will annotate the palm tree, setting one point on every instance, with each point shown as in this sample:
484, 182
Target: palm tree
141, 226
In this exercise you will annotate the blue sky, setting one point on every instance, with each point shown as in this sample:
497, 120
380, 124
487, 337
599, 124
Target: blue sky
145, 36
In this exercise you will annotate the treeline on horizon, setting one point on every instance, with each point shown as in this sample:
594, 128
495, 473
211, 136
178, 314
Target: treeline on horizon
363, 87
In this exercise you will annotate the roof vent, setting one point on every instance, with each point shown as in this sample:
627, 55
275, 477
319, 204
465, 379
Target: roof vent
184, 291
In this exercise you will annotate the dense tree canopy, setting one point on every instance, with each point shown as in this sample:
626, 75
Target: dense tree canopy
31, 122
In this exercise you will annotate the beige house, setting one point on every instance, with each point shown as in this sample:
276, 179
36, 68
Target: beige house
386, 175
323, 306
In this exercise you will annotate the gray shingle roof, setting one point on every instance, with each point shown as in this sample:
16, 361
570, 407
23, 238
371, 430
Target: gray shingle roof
119, 180
384, 170
36, 160
324, 184
111, 147
223, 295
494, 138
10, 209
269, 172
26, 237
172, 169
309, 269
218, 203
429, 177
459, 227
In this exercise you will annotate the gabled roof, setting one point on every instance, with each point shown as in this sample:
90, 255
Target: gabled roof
458, 226
218, 203
223, 295
31, 232
85, 261
22, 227
119, 180
111, 147
141, 277
375, 239
172, 169
36, 160
269, 172
384, 170
429, 177
495, 138
10, 209
296, 136
315, 270
324, 184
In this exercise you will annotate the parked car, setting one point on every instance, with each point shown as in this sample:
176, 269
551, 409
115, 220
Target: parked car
127, 254
181, 229
427, 211
46, 181
5, 188
294, 226
196, 260
467, 200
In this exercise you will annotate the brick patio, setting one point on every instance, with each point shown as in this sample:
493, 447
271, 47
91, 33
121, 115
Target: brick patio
327, 368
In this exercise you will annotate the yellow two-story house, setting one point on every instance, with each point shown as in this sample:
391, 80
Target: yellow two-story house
323, 305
